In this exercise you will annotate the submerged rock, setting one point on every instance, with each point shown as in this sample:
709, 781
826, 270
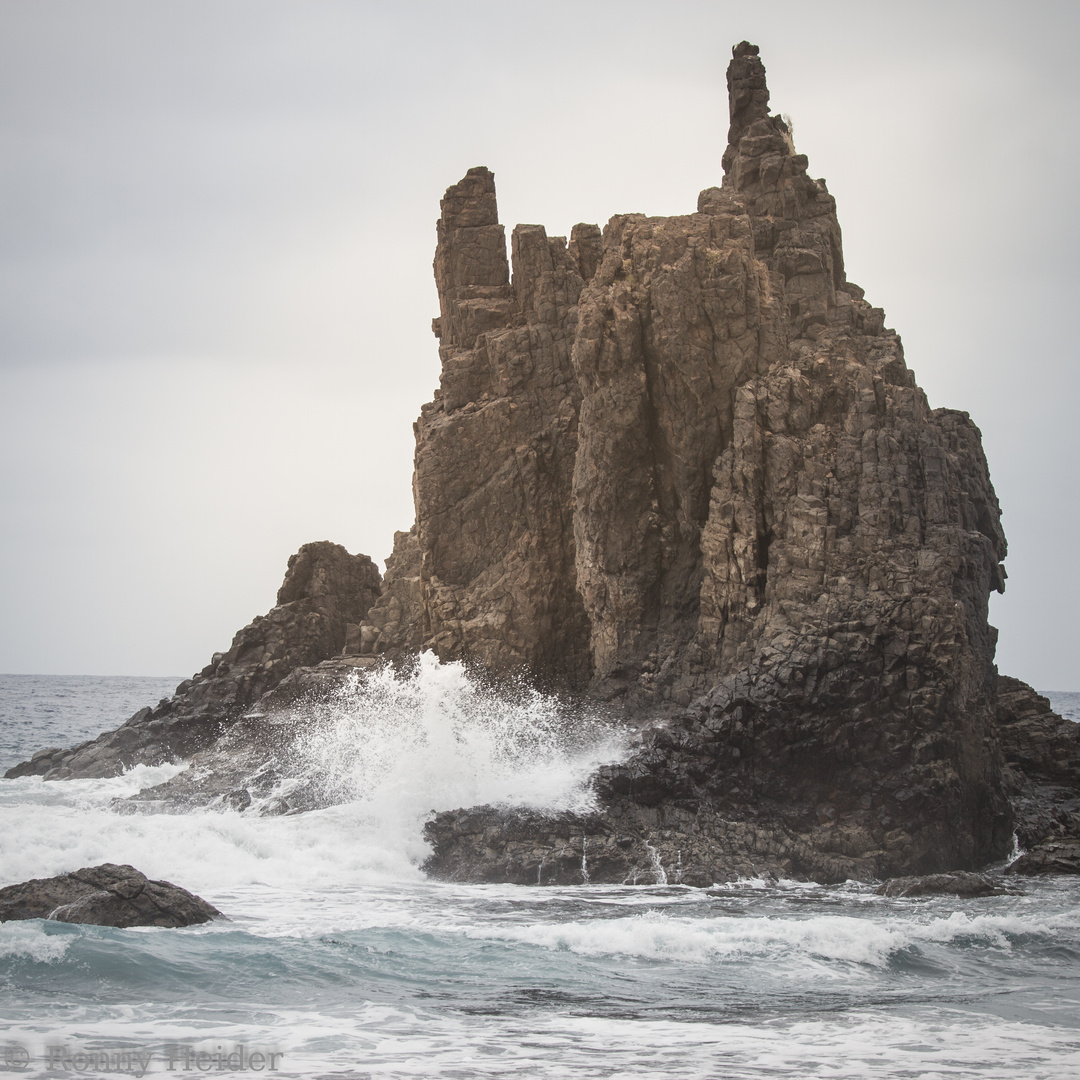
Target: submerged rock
959, 884
105, 895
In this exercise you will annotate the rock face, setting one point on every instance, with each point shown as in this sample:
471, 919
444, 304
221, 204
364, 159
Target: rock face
325, 589
1042, 778
768, 520
105, 895
495, 449
394, 624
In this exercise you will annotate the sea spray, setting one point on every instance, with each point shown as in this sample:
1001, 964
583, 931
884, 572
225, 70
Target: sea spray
339, 954
380, 755
399, 746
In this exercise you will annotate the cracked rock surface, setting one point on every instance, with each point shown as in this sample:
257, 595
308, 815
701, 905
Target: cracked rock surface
774, 537
105, 895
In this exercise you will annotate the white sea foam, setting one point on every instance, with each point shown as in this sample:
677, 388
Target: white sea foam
32, 790
382, 1041
31, 941
389, 750
657, 935
344, 958
437, 738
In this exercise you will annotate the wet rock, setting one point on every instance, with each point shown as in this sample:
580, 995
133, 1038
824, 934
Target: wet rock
255, 765
959, 884
1041, 752
105, 895
1049, 857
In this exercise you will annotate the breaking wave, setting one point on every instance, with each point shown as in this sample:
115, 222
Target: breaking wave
436, 738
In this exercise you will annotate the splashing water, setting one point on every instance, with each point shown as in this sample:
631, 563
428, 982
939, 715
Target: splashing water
340, 954
400, 747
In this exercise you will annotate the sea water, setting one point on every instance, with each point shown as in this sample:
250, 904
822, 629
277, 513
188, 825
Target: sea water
339, 959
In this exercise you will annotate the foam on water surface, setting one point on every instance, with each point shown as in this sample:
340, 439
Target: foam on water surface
340, 955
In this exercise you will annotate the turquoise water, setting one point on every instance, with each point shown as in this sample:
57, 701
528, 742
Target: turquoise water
339, 959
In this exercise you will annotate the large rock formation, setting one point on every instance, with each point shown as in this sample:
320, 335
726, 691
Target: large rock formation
681, 466
768, 520
105, 895
324, 592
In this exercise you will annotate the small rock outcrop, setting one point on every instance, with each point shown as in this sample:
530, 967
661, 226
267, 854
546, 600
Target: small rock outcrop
325, 590
105, 895
1042, 778
961, 884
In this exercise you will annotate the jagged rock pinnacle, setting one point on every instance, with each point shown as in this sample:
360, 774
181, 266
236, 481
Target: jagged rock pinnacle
748, 92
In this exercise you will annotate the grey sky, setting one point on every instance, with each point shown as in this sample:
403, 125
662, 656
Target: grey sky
215, 265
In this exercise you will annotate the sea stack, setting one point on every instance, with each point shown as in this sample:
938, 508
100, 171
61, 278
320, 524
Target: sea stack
678, 467
699, 473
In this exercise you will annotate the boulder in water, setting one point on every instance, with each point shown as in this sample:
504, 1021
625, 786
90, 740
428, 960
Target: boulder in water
1050, 857
105, 895
958, 884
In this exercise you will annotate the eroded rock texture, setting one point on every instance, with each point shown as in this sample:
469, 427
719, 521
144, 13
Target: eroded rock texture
768, 521
495, 449
325, 590
1042, 778
680, 466
105, 895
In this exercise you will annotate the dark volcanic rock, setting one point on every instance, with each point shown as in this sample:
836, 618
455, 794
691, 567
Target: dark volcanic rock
768, 521
961, 884
1050, 857
623, 842
1042, 778
325, 589
105, 895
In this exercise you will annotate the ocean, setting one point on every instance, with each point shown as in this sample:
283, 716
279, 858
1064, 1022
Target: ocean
339, 959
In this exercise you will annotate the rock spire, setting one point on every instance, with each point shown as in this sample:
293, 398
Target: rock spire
768, 521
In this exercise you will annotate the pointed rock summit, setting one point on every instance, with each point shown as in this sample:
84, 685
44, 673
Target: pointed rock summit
685, 464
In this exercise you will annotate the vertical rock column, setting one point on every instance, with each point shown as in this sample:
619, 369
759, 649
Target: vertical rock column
679, 315
796, 232
495, 449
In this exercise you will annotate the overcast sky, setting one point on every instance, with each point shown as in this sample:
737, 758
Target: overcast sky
216, 237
